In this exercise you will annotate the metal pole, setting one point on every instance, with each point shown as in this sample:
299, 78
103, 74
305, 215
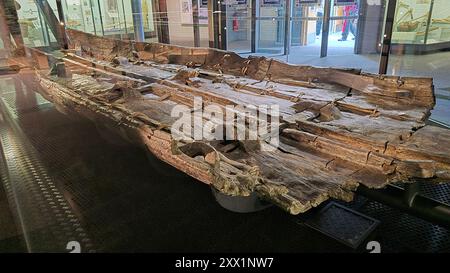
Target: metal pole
52, 21
62, 23
45, 35
217, 22
124, 18
325, 28
425, 39
195, 23
223, 24
410, 202
387, 36
287, 29
100, 17
136, 6
253, 26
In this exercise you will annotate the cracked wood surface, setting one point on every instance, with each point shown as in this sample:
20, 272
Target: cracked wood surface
338, 127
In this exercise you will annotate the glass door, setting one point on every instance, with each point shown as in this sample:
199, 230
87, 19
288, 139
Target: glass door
149, 21
239, 26
343, 27
35, 32
270, 27
306, 30
352, 36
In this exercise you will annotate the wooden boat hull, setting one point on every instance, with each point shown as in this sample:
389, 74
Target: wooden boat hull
338, 128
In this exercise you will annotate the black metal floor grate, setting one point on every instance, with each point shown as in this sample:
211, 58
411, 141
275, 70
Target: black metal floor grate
438, 192
399, 232
343, 224
39, 207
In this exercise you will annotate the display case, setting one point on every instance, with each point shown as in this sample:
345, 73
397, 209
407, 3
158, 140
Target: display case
33, 28
422, 25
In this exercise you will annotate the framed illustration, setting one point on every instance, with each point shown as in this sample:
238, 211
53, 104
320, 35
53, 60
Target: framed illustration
186, 11
344, 2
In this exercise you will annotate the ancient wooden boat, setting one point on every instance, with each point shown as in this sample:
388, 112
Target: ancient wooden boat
338, 128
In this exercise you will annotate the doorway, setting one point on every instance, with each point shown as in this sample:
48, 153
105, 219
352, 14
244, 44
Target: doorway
307, 31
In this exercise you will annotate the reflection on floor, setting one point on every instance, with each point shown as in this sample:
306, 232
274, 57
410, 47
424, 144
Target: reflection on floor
128, 201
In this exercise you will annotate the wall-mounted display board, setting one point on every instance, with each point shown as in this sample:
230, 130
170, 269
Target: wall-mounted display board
236, 2
272, 3
305, 2
344, 2
423, 25
186, 11
203, 3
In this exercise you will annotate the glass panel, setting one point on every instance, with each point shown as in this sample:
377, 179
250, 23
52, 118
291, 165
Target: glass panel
52, 4
343, 26
411, 19
112, 17
239, 26
97, 13
148, 21
203, 23
439, 30
270, 26
412, 56
127, 19
180, 22
33, 28
79, 15
360, 23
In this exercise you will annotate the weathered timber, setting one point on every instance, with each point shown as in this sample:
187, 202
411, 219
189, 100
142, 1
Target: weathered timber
338, 127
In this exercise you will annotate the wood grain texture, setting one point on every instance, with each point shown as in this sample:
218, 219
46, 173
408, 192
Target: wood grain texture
338, 127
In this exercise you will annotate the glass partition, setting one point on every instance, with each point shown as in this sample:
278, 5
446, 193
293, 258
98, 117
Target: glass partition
203, 23
439, 30
270, 26
79, 16
110, 18
148, 21
35, 32
239, 29
306, 30
421, 40
343, 27
180, 22
411, 21
355, 30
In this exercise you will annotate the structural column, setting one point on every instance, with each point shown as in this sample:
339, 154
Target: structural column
325, 28
136, 6
161, 19
62, 23
387, 36
287, 29
195, 23
217, 23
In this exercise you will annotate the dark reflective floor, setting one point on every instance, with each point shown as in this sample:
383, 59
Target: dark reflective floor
128, 201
